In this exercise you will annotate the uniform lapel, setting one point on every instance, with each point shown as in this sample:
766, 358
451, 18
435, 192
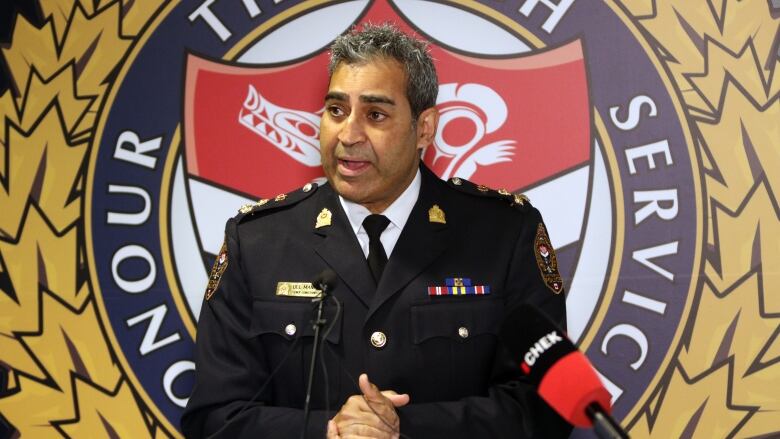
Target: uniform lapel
341, 251
420, 244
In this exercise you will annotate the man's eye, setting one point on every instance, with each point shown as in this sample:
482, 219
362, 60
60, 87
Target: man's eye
377, 116
335, 111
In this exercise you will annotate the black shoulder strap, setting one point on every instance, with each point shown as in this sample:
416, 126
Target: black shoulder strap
280, 201
518, 201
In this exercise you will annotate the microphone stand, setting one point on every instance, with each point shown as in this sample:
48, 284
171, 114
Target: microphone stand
603, 424
317, 324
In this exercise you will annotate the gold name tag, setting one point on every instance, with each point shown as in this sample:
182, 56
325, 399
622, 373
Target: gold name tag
297, 289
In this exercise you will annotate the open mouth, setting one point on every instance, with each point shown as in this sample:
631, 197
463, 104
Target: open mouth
352, 167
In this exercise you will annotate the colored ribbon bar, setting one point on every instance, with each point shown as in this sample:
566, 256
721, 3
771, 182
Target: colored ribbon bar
476, 290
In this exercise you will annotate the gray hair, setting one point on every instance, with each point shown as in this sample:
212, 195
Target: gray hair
360, 46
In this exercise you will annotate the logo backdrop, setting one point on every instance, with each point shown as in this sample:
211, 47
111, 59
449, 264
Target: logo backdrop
645, 132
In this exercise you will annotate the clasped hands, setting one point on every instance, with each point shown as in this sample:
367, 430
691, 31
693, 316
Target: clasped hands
369, 415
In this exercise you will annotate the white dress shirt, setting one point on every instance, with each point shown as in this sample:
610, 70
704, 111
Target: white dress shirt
398, 213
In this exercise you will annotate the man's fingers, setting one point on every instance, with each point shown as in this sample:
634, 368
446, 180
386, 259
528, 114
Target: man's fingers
368, 389
372, 393
333, 431
352, 436
377, 408
358, 411
399, 400
364, 430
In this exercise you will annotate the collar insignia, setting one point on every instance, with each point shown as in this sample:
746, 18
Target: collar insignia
323, 219
436, 215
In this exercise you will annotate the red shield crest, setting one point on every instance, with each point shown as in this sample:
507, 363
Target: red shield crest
507, 122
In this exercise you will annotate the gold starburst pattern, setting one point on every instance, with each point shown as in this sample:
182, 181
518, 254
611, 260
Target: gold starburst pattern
49, 327
722, 56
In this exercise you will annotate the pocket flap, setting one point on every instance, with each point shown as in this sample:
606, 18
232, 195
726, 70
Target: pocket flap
269, 317
459, 320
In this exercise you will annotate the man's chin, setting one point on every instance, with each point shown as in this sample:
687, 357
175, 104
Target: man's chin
353, 197
349, 189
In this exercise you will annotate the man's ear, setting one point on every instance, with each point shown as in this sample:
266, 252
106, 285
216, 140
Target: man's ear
427, 123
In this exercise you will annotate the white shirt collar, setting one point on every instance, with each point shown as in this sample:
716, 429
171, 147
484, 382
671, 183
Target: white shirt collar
398, 213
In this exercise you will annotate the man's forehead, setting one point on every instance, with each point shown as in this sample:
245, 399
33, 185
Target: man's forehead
369, 60
386, 84
385, 65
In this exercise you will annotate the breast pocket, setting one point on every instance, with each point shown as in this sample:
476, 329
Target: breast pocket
289, 320
285, 334
456, 341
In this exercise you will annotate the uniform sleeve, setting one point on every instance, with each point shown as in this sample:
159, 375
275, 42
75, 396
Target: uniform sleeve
512, 408
232, 368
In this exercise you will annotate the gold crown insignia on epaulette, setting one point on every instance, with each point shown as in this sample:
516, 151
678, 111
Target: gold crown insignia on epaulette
279, 200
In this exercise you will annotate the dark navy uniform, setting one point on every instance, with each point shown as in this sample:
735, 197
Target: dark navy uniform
442, 350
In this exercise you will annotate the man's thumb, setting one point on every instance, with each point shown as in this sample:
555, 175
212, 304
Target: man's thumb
368, 389
396, 399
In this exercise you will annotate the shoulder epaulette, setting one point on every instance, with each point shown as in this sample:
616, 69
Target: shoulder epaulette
518, 201
282, 200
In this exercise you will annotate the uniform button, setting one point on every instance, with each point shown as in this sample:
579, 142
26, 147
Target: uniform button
378, 339
463, 332
290, 329
307, 187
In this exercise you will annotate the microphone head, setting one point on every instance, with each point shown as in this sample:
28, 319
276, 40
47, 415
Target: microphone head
534, 340
570, 386
326, 280
564, 377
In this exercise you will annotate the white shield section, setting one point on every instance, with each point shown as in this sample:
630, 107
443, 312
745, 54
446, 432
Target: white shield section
587, 284
197, 224
461, 29
305, 35
562, 204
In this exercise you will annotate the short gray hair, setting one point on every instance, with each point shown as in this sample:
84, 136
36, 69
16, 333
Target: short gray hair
360, 46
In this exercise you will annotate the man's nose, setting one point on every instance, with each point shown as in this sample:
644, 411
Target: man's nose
352, 131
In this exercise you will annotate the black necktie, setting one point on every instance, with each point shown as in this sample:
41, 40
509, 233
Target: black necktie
377, 258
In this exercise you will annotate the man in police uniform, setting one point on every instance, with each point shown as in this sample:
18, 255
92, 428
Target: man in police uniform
426, 270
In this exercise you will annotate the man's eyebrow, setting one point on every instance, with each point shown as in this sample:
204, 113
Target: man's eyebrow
335, 96
368, 99
376, 99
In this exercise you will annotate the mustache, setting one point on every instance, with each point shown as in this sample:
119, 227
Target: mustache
353, 154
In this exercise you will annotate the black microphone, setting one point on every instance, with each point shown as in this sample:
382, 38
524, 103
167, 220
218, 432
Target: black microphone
564, 377
325, 282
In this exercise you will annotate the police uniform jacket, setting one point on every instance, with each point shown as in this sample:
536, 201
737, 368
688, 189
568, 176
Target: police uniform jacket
443, 350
